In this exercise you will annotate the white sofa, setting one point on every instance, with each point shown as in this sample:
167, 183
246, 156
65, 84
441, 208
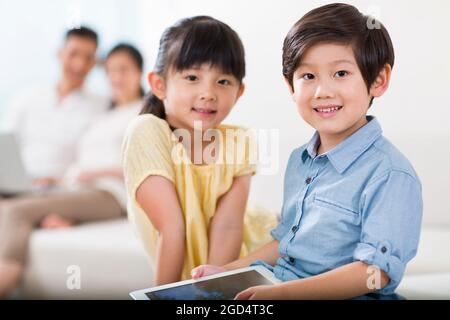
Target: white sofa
106, 256
112, 262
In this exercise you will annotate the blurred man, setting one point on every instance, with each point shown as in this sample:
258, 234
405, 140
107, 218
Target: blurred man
48, 120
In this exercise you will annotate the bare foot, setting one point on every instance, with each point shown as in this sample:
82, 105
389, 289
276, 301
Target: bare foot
55, 221
10, 274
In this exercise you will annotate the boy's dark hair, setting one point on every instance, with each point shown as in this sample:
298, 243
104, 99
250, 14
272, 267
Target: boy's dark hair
134, 54
343, 24
83, 32
191, 42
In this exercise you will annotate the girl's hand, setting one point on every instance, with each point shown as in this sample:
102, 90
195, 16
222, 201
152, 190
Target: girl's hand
267, 292
206, 270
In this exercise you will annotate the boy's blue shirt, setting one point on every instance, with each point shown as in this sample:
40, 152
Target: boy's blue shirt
360, 201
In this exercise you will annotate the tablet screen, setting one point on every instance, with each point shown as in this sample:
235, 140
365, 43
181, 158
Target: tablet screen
223, 288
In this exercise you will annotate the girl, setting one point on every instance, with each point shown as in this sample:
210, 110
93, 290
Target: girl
93, 187
352, 203
187, 191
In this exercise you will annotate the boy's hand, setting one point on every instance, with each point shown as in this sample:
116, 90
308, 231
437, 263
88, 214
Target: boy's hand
206, 270
266, 292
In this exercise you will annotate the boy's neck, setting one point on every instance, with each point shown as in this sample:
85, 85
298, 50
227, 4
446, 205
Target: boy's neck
329, 141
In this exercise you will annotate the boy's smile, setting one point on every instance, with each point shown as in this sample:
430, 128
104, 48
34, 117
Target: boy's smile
330, 92
327, 111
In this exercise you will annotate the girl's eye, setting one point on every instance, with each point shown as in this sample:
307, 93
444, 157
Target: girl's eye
191, 77
308, 76
224, 82
341, 74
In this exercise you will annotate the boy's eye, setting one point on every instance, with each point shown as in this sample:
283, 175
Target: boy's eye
341, 73
308, 76
224, 82
191, 77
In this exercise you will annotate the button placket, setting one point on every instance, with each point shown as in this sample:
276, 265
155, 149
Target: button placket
305, 192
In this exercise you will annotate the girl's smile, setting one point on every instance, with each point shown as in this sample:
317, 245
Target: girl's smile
204, 111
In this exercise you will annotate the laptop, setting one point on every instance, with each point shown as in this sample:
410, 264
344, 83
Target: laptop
13, 176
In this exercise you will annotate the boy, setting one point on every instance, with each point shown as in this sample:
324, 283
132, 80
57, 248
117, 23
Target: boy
352, 203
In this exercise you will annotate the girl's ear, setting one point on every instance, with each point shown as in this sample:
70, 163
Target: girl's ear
157, 85
241, 91
381, 83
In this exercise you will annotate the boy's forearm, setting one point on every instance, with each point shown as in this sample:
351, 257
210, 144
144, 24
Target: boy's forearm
268, 253
342, 283
169, 266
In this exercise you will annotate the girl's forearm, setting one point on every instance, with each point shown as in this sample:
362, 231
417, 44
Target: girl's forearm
170, 256
224, 244
349, 281
268, 253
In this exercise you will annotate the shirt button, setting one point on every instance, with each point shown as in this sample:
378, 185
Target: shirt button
291, 260
383, 249
308, 181
294, 229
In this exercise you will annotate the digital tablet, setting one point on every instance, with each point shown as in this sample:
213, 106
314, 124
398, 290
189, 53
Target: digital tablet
220, 286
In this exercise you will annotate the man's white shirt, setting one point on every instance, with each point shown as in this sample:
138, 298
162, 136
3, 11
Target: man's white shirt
48, 130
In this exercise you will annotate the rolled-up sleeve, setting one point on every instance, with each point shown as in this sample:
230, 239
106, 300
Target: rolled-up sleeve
391, 210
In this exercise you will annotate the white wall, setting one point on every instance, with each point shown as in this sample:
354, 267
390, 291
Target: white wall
417, 104
31, 33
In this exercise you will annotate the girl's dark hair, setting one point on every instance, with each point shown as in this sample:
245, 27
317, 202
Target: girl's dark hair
135, 56
340, 23
194, 41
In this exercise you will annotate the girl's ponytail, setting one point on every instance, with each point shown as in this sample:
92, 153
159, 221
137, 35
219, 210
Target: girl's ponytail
153, 105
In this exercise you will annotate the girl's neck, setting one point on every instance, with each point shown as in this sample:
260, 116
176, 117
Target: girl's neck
195, 144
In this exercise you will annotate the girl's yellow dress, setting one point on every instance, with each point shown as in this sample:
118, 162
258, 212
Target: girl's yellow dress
151, 148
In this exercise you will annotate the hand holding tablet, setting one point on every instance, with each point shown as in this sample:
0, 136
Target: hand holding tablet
219, 286
206, 270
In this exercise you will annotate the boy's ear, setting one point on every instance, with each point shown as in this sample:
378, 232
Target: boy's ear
382, 81
291, 89
157, 84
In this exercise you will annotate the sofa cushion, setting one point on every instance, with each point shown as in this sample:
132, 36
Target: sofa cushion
426, 286
432, 255
107, 256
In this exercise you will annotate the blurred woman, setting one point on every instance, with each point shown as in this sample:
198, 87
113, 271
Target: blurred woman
93, 188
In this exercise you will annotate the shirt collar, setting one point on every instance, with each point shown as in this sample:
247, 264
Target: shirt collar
345, 153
